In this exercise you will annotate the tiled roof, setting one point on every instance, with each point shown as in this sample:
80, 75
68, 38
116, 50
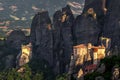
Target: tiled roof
91, 67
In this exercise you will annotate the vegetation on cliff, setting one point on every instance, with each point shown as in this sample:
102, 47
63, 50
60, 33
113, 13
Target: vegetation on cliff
109, 62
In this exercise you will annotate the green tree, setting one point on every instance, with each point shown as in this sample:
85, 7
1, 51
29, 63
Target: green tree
38, 76
62, 77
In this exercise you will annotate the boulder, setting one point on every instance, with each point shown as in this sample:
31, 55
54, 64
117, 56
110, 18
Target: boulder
57, 42
66, 32
98, 6
62, 35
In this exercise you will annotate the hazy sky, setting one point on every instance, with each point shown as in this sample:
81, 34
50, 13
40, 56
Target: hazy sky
26, 9
26, 5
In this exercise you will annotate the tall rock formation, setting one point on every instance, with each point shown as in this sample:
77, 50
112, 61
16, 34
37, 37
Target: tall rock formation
67, 25
41, 37
86, 29
112, 23
63, 23
15, 39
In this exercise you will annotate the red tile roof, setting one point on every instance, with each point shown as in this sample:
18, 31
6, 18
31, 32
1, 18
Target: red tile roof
91, 67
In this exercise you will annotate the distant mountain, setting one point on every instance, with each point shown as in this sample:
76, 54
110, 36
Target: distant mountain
19, 13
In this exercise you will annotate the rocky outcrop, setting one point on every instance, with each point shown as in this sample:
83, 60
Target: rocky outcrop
40, 22
66, 31
112, 23
107, 15
57, 42
86, 30
98, 6
92, 27
41, 37
63, 23
16, 39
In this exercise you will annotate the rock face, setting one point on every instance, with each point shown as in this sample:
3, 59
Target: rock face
86, 30
67, 24
16, 39
112, 23
63, 23
41, 37
54, 44
98, 6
